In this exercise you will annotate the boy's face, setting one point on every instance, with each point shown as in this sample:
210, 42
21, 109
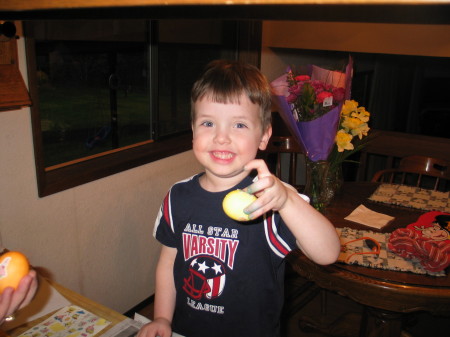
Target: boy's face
227, 137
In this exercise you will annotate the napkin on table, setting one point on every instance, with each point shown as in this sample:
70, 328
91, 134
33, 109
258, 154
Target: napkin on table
367, 217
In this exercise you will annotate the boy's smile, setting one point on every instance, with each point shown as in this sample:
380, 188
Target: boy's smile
226, 138
222, 155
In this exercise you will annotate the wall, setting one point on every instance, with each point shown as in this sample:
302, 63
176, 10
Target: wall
96, 238
401, 39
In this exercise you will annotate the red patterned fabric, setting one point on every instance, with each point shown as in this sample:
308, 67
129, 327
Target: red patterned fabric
428, 240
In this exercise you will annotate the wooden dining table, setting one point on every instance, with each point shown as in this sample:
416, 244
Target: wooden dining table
385, 295
75, 299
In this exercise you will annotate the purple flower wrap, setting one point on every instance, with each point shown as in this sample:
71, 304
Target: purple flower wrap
316, 137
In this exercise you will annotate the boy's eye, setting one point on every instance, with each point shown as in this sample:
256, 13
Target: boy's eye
207, 123
240, 125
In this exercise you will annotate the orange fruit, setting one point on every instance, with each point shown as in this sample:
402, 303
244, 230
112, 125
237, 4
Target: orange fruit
13, 266
234, 203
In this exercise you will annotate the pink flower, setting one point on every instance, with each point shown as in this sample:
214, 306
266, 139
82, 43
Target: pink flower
291, 98
296, 89
329, 87
318, 86
302, 78
338, 94
321, 96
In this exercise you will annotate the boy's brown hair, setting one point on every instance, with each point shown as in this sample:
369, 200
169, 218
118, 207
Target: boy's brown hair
225, 81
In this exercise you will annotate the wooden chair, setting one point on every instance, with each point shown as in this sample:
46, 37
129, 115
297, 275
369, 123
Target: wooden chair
420, 171
277, 146
386, 148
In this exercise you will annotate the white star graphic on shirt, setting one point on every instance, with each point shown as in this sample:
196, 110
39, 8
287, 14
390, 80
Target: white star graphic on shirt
194, 261
202, 267
217, 268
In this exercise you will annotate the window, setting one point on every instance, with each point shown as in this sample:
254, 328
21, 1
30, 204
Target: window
109, 95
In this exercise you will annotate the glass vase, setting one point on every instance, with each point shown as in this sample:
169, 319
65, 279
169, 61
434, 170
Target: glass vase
323, 181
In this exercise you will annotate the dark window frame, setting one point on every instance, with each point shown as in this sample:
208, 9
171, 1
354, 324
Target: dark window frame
68, 175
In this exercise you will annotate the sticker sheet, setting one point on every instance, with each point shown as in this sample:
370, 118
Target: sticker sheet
71, 321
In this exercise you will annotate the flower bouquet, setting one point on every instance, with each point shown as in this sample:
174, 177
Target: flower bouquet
310, 105
352, 133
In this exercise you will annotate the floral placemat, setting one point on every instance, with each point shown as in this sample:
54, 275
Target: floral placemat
369, 249
410, 196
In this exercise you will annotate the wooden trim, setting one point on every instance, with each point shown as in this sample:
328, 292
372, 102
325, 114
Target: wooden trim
98, 155
71, 4
420, 12
87, 171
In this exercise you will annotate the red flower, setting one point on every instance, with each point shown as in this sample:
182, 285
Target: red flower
322, 95
302, 78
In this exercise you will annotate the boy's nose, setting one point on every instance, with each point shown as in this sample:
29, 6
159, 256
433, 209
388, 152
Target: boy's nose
222, 137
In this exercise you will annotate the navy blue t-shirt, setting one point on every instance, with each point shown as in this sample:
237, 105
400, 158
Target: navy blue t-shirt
228, 275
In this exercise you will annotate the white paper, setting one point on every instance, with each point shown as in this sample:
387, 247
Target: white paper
367, 217
126, 328
335, 78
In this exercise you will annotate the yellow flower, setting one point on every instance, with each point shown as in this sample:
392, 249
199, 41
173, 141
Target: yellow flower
344, 141
353, 122
362, 114
349, 107
360, 131
350, 123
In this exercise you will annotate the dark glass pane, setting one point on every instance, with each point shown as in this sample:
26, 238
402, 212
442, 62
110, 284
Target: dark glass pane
93, 88
105, 84
184, 48
174, 90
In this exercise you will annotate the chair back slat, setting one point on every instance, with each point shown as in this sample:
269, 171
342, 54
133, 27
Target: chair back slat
419, 171
278, 145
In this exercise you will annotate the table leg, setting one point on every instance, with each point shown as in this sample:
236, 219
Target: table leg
380, 323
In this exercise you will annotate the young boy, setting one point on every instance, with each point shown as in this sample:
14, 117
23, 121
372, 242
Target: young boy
216, 276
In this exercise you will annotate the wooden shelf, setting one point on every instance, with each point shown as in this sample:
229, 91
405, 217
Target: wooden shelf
13, 91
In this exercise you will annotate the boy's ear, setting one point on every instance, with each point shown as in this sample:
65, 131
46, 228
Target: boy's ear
265, 138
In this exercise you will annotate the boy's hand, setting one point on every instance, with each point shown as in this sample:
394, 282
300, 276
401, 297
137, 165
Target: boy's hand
272, 193
160, 327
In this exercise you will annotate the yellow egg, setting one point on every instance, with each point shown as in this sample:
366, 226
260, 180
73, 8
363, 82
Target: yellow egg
234, 203
13, 266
